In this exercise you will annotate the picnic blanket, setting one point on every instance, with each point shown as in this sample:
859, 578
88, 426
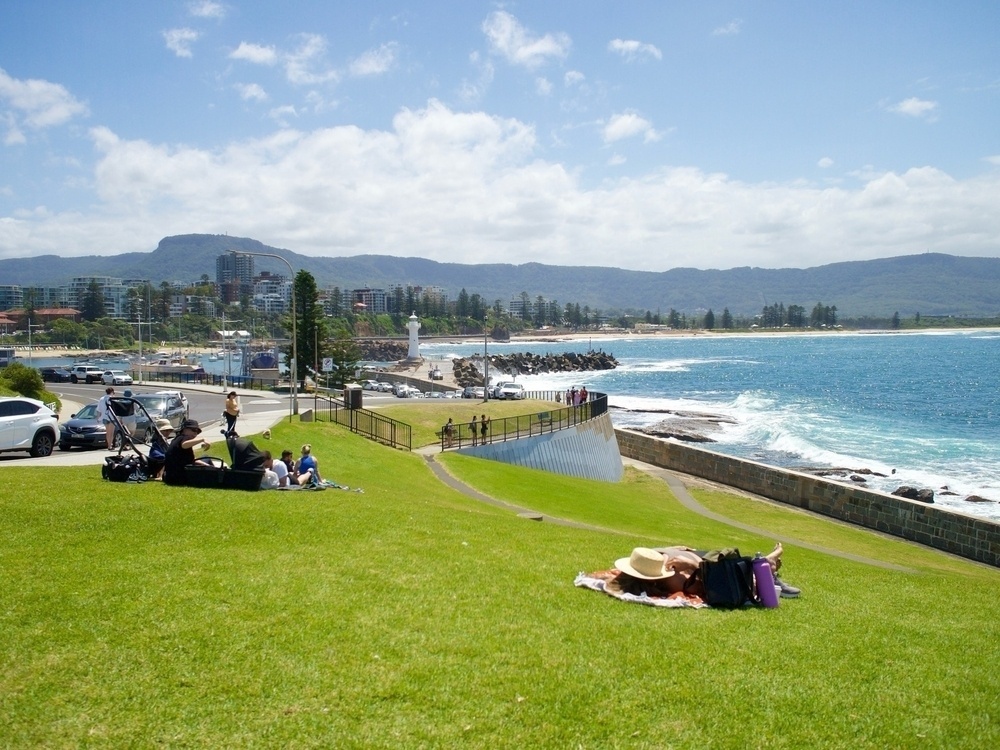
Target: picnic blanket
604, 581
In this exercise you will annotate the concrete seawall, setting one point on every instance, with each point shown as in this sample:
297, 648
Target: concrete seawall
974, 538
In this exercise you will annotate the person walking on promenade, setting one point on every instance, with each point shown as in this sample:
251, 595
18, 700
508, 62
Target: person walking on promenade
231, 413
474, 430
484, 428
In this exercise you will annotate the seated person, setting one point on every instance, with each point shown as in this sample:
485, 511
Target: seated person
307, 467
275, 473
158, 447
289, 462
180, 453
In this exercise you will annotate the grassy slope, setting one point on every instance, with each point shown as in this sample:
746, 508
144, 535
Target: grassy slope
411, 616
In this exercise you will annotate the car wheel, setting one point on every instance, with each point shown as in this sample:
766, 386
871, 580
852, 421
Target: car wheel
143, 437
64, 446
41, 446
116, 441
73, 379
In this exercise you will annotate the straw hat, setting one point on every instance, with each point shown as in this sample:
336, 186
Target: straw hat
644, 563
163, 425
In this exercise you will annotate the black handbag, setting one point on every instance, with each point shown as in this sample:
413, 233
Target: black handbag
727, 578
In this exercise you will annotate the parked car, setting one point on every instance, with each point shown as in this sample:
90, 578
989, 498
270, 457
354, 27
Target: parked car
384, 387
27, 424
436, 374
181, 396
163, 406
512, 391
469, 392
87, 373
497, 387
116, 377
84, 430
55, 374
408, 391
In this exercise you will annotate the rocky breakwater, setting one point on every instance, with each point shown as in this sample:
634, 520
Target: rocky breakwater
469, 370
383, 351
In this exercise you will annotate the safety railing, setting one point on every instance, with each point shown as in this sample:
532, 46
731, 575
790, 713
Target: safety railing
524, 425
367, 423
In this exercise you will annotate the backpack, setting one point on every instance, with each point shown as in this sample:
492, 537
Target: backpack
727, 578
123, 469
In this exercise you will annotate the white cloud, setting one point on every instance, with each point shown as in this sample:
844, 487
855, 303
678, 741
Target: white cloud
207, 9
306, 65
543, 86
179, 41
825, 163
251, 91
573, 78
616, 160
914, 107
631, 50
35, 104
255, 53
462, 186
730, 29
511, 40
375, 61
994, 160
628, 125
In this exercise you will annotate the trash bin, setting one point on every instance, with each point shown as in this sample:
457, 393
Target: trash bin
352, 396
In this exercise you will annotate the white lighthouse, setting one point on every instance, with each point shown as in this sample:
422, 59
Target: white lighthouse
413, 354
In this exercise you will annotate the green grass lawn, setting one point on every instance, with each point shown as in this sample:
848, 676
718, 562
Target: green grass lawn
426, 416
412, 616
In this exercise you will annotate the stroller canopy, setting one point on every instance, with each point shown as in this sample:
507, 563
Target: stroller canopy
244, 454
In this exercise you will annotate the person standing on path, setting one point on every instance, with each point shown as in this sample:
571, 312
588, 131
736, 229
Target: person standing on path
231, 413
473, 430
484, 428
103, 413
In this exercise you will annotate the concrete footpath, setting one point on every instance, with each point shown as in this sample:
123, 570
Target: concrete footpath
250, 423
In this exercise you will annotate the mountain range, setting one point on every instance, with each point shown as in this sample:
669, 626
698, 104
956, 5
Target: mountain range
929, 284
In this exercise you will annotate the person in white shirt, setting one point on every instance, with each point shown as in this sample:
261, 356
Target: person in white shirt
275, 473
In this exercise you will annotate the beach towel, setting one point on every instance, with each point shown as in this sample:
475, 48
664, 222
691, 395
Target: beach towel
598, 581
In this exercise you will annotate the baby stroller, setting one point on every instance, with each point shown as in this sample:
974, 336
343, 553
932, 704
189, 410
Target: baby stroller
245, 473
129, 464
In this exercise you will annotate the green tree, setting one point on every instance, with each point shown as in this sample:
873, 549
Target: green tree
92, 302
727, 320
709, 319
895, 320
345, 354
309, 322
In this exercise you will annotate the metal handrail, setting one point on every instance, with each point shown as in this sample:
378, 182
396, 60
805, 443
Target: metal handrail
371, 425
526, 425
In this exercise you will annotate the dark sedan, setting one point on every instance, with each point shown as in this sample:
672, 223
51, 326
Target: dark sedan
55, 374
83, 430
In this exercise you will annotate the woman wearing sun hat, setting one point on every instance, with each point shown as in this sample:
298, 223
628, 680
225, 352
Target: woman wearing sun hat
162, 436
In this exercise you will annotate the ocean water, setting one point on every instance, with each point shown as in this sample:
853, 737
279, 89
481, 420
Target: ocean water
926, 405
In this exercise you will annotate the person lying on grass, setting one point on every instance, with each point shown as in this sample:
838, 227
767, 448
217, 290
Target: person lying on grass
666, 571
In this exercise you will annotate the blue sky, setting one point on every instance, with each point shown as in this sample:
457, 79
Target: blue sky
645, 135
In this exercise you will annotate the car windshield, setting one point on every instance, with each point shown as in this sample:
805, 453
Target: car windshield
87, 412
152, 403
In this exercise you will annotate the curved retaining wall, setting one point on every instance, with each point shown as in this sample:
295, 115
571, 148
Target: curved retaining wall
588, 450
965, 535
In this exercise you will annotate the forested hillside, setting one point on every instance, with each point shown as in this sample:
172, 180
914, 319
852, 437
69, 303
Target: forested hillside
930, 284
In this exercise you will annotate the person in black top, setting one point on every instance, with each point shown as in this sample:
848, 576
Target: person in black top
180, 453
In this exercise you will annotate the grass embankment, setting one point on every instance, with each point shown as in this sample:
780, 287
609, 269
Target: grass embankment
411, 616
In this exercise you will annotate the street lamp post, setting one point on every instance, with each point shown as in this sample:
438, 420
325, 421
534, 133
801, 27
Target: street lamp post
295, 337
486, 359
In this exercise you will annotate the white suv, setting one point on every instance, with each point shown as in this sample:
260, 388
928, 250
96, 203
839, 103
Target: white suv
27, 425
87, 373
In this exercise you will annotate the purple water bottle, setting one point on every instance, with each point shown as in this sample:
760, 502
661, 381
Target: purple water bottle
764, 580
